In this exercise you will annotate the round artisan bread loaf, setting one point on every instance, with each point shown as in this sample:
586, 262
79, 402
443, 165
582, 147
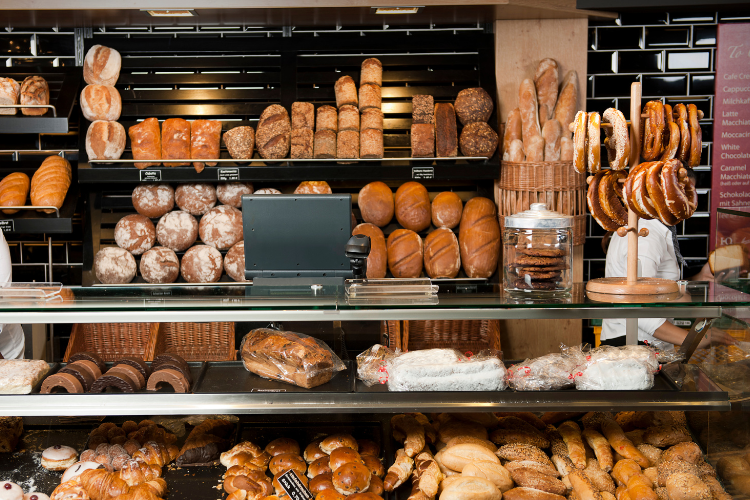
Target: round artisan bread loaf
471, 488
375, 202
267, 191
221, 227
313, 187
101, 66
405, 254
195, 199
201, 264
234, 262
446, 210
442, 257
114, 265
105, 140
479, 238
230, 193
378, 259
153, 200
177, 230
135, 233
100, 102
413, 206
473, 105
240, 142
160, 265
478, 139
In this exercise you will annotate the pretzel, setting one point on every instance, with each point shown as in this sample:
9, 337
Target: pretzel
610, 197
691, 193
596, 210
618, 139
673, 180
653, 128
653, 184
640, 196
696, 145
594, 137
671, 139
683, 151
628, 192
579, 142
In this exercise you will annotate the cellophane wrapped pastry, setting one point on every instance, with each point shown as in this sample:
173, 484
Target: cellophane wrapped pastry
289, 357
546, 373
626, 368
372, 364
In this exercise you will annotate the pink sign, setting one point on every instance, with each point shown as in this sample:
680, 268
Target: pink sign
730, 186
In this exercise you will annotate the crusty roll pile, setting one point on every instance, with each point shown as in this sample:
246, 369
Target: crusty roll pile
101, 104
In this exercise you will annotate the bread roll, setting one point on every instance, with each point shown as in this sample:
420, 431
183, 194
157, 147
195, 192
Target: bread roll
14, 188
201, 264
471, 488
160, 265
313, 187
114, 266
302, 143
375, 202
230, 193
442, 257
10, 91
101, 66
303, 115
473, 105
177, 230
478, 139
175, 141
346, 91
446, 210
205, 142
240, 142
371, 118
100, 102
567, 102
371, 143
273, 136
221, 227
35, 91
153, 200
371, 72
50, 183
458, 456
422, 140
491, 471
105, 140
348, 118
446, 136
405, 254
196, 198
327, 119
378, 258
347, 144
234, 262
145, 142
369, 96
135, 233
479, 238
684, 486
413, 206
351, 478
325, 144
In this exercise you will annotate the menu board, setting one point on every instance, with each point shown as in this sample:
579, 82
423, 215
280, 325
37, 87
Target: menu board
730, 186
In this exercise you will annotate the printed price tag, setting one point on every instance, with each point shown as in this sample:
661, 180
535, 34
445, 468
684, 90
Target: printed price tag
150, 175
293, 487
422, 172
153, 302
267, 390
7, 225
466, 288
228, 174
161, 293
236, 300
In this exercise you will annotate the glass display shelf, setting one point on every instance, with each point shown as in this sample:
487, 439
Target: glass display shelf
228, 302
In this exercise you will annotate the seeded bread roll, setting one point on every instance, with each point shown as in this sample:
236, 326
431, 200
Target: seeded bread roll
175, 141
348, 118
442, 257
478, 139
160, 265
346, 91
423, 109
34, 91
375, 202
240, 142
303, 115
202, 264
153, 200
135, 233
473, 105
327, 119
422, 140
105, 140
221, 227
371, 72
10, 90
234, 262
230, 193
114, 265
405, 254
371, 143
303, 140
325, 144
446, 136
369, 96
99, 102
273, 136
101, 66
347, 144
371, 118
177, 230
413, 206
195, 198
378, 258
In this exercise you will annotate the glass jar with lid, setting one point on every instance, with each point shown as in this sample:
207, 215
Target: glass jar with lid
538, 251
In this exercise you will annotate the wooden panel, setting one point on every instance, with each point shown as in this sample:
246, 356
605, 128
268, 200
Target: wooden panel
519, 46
529, 338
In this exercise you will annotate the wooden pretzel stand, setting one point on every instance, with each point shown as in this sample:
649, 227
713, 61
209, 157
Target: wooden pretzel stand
633, 289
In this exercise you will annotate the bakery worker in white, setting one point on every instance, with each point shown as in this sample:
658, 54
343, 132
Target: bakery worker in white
11, 336
656, 259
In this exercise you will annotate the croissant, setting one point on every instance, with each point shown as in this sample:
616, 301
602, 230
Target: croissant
411, 433
206, 442
135, 472
69, 490
151, 490
50, 183
428, 474
156, 453
102, 485
14, 189
152, 433
398, 472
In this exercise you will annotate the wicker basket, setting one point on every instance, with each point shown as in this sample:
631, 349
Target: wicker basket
464, 335
198, 341
554, 183
113, 341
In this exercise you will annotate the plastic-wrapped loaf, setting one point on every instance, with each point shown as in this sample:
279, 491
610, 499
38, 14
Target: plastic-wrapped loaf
372, 364
550, 372
626, 368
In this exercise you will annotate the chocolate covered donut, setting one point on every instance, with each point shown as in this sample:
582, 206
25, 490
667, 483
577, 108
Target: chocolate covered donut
112, 380
82, 374
89, 356
63, 380
135, 377
136, 363
169, 376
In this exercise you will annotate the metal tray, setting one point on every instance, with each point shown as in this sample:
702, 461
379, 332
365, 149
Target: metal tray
29, 221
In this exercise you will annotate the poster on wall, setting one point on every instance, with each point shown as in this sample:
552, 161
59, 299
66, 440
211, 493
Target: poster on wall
730, 175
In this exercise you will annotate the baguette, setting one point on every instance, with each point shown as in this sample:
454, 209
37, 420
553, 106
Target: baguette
515, 152
534, 148
571, 434
567, 102
513, 130
50, 183
528, 106
14, 189
546, 80
552, 134
639, 488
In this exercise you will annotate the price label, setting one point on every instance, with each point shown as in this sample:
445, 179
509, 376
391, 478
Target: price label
7, 225
422, 172
466, 289
153, 302
293, 487
150, 175
160, 293
267, 390
228, 174
232, 301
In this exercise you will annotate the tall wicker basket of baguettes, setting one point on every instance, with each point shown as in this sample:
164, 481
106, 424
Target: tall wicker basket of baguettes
114, 341
554, 183
465, 335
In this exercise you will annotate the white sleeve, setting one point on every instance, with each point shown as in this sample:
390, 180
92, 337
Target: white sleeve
6, 271
651, 251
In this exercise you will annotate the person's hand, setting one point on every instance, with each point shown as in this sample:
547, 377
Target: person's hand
705, 274
716, 336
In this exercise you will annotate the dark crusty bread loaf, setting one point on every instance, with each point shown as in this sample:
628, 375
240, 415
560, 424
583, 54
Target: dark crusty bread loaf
273, 136
371, 118
369, 96
145, 142
240, 142
371, 72
442, 257
422, 140
446, 136
303, 115
160, 265
371, 143
105, 140
405, 254
375, 202
346, 91
327, 119
473, 105
348, 118
347, 144
479, 238
423, 108
34, 90
325, 144
302, 143
413, 206
175, 141
378, 259
478, 139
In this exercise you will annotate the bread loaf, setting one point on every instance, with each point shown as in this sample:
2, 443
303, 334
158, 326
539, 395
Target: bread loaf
100, 102
567, 148
230, 193
303, 115
273, 136
14, 188
442, 257
114, 266
405, 254
491, 471
534, 148
240, 142
234, 262
325, 144
412, 204
378, 258
101, 66
145, 142
422, 140
446, 136
196, 198
160, 265
371, 143
446, 210
205, 142
473, 105
371, 72
567, 102
35, 91
10, 90
545, 80
347, 144
302, 143
552, 134
458, 456
267, 191
201, 264
135, 233
371, 118
471, 488
50, 183
175, 141
221, 227
346, 91
105, 140
479, 238
153, 200
516, 152
422, 109
313, 187
529, 108
327, 119
375, 202
348, 118
513, 130
177, 230
369, 96
478, 139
